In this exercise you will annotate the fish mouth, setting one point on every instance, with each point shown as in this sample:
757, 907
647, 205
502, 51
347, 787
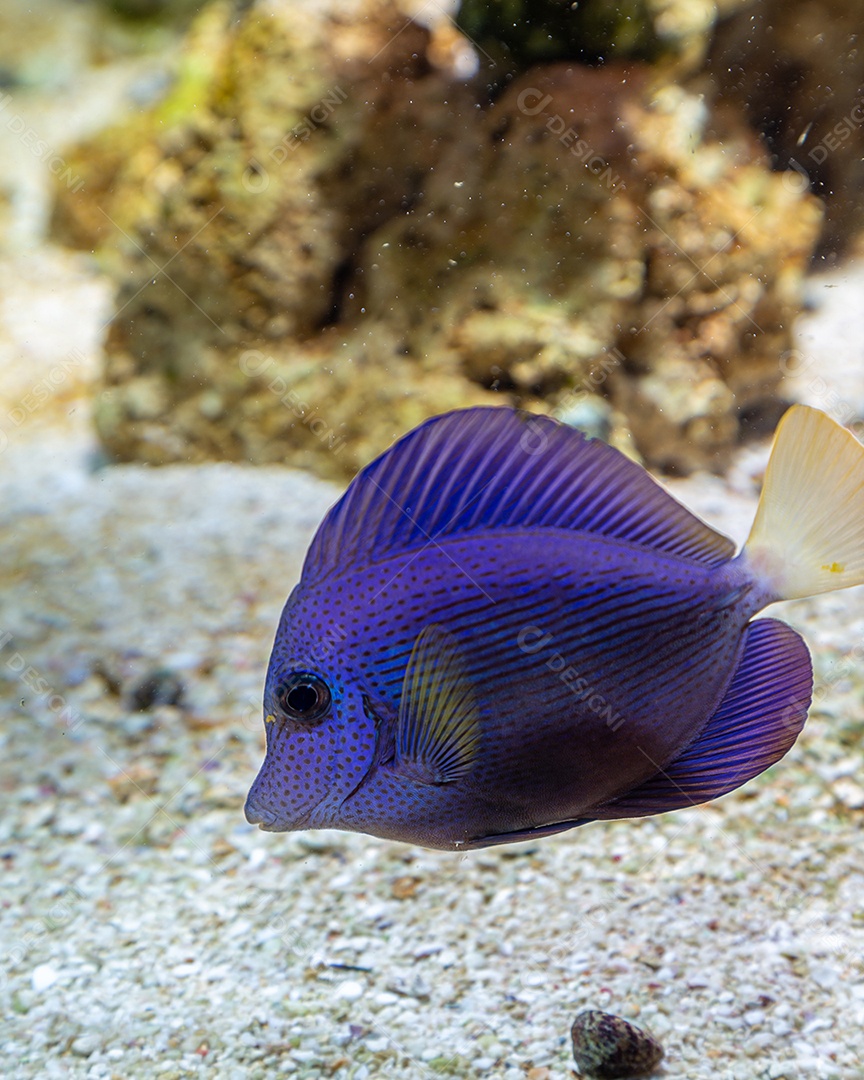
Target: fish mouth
269, 820
257, 815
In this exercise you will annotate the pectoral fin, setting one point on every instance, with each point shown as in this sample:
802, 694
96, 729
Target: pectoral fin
438, 733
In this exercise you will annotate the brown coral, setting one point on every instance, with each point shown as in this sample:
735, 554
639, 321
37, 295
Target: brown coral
325, 237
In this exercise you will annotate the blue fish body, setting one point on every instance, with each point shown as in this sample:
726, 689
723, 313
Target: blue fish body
503, 630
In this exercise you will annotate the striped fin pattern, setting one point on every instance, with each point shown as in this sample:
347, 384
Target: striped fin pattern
757, 722
438, 733
486, 468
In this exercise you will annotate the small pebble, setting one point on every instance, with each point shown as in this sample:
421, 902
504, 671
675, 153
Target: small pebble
43, 976
160, 687
415, 987
349, 990
849, 793
607, 1047
86, 1044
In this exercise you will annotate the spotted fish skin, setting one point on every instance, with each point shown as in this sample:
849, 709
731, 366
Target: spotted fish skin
543, 751
492, 641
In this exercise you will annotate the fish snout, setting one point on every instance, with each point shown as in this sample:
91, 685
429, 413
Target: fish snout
257, 815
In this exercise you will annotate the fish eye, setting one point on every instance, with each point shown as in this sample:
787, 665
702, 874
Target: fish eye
303, 696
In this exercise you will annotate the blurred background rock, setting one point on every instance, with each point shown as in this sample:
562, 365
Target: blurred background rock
796, 71
325, 222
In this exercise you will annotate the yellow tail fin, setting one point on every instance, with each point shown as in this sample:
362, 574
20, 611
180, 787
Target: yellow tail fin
808, 536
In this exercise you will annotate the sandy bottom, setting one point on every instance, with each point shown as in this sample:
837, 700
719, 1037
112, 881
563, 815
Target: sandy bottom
147, 930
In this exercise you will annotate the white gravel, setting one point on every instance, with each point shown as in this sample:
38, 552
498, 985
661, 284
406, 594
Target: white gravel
147, 931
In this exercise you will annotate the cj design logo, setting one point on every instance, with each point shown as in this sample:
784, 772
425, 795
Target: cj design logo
534, 640
533, 102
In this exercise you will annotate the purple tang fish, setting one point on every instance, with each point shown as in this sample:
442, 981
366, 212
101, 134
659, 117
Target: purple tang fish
504, 629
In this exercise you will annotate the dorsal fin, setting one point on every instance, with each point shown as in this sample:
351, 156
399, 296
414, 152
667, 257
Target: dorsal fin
486, 468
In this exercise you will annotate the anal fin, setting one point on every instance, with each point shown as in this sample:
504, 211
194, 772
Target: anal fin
756, 723
522, 834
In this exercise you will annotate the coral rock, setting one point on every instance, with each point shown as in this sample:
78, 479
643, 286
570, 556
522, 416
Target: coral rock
325, 235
